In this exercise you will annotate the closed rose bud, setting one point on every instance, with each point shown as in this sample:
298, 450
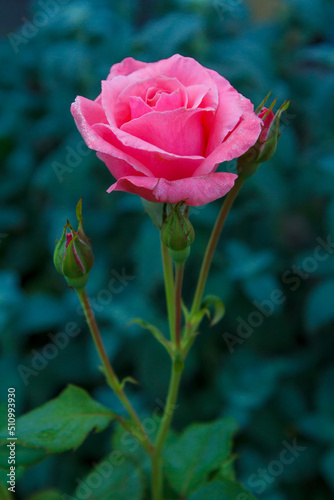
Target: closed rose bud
177, 233
265, 146
73, 256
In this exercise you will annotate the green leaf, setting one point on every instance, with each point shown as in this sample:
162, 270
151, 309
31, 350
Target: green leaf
201, 449
221, 490
61, 424
114, 478
320, 306
218, 308
47, 495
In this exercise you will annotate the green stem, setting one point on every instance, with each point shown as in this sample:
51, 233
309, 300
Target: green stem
179, 271
109, 371
228, 202
169, 288
177, 367
157, 469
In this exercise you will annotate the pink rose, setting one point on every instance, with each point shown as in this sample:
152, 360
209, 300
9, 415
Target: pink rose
163, 128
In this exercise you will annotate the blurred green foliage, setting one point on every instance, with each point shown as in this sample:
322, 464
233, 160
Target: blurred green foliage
269, 363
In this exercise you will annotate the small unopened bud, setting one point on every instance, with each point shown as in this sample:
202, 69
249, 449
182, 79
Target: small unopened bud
73, 256
177, 233
265, 146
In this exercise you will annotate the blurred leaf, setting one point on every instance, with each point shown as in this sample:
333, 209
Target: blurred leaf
319, 427
173, 29
114, 479
201, 449
219, 490
41, 312
265, 292
320, 306
244, 263
327, 467
47, 495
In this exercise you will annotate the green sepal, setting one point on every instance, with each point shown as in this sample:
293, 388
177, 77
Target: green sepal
59, 252
177, 232
78, 260
261, 105
270, 145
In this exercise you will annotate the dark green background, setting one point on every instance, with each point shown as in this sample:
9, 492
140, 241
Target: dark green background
278, 383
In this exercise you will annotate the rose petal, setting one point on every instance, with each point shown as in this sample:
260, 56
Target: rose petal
85, 113
237, 143
126, 67
143, 186
228, 112
155, 159
138, 107
168, 102
179, 132
194, 191
203, 96
119, 167
117, 92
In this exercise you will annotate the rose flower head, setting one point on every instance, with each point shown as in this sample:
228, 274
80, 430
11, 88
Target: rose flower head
163, 128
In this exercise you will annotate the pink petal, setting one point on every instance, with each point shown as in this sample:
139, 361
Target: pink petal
138, 107
155, 159
194, 191
237, 143
228, 112
119, 167
266, 123
86, 113
127, 66
168, 102
203, 96
117, 92
186, 69
143, 186
179, 132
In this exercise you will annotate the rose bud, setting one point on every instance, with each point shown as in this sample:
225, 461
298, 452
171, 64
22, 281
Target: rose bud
177, 233
265, 146
73, 257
